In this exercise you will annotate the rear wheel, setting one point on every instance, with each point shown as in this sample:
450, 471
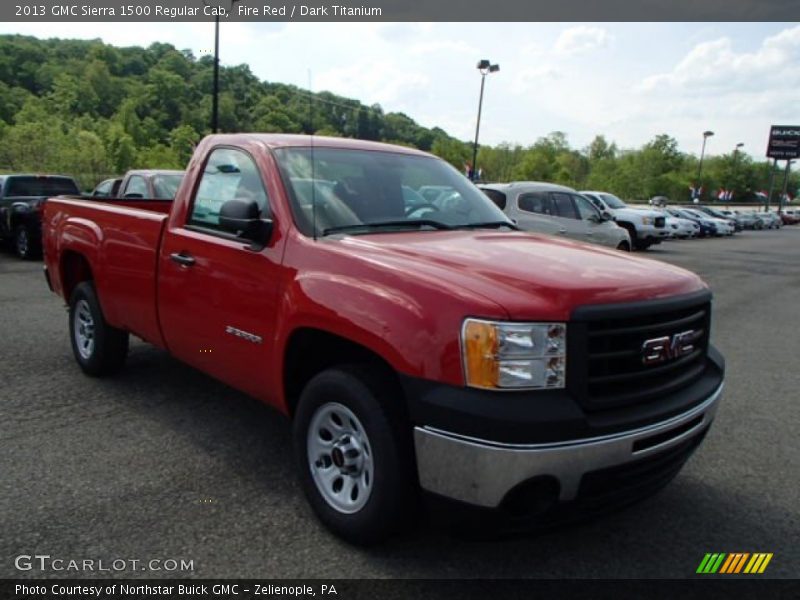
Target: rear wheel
355, 455
623, 245
99, 348
24, 245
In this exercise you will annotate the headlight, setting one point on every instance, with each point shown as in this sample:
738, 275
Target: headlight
500, 355
648, 220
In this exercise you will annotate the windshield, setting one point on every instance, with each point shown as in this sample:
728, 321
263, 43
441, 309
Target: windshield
166, 186
41, 186
358, 191
612, 200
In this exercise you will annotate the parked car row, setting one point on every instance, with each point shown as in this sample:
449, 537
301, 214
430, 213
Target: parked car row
22, 198
588, 216
601, 217
558, 210
723, 220
707, 224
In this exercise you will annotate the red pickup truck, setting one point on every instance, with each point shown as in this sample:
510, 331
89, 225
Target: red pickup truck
418, 344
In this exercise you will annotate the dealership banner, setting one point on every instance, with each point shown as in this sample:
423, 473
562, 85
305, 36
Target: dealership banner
784, 142
381, 589
398, 10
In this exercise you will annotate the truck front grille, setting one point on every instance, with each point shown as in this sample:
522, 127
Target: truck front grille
609, 347
660, 222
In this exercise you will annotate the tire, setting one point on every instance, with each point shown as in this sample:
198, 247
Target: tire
24, 243
641, 245
624, 246
635, 242
99, 348
373, 439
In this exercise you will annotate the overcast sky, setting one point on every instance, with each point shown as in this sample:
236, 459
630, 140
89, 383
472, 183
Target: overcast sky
628, 82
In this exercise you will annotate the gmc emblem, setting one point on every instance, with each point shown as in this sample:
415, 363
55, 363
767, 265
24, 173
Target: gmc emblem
665, 348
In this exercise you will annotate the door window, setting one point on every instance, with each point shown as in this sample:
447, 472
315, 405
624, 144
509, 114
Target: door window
585, 208
596, 202
228, 175
539, 203
137, 188
564, 206
104, 189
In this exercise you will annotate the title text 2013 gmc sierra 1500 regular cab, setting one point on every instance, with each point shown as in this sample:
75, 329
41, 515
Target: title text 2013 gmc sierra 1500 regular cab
415, 346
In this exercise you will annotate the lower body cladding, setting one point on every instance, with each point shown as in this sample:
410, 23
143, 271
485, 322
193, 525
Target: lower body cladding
528, 478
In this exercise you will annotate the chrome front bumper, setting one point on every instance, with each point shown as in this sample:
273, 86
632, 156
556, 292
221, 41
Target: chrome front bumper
481, 472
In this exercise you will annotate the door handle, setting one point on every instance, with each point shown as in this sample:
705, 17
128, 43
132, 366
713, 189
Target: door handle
562, 230
185, 260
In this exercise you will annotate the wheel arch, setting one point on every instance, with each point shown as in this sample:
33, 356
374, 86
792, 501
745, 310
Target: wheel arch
74, 268
310, 350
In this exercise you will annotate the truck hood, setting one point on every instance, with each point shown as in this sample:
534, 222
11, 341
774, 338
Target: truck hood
635, 212
530, 276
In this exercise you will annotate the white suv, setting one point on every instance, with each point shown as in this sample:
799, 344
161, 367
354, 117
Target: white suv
646, 227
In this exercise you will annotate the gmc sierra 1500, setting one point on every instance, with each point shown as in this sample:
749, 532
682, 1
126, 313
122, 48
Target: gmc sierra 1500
416, 346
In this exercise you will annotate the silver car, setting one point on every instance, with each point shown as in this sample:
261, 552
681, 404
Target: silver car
771, 220
556, 210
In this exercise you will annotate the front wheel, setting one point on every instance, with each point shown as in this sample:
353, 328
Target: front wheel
624, 246
99, 348
354, 454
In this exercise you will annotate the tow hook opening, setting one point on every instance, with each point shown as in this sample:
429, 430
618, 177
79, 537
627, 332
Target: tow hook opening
532, 497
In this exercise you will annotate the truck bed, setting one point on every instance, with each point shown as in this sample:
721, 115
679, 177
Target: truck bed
126, 233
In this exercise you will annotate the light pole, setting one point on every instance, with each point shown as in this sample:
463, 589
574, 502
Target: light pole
215, 85
706, 135
215, 92
215, 99
735, 164
485, 67
785, 185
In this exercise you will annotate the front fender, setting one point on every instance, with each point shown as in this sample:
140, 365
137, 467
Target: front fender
389, 322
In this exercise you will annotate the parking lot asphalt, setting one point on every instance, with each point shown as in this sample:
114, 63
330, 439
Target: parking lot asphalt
162, 462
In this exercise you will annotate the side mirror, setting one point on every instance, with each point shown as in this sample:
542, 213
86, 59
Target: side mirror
241, 218
594, 218
607, 216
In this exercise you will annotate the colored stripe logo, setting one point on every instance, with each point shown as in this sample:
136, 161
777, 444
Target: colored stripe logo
734, 563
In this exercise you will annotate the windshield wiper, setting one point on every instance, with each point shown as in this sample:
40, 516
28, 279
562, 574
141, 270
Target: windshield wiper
366, 227
488, 225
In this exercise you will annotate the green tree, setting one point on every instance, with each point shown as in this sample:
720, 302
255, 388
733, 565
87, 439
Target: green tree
183, 140
121, 149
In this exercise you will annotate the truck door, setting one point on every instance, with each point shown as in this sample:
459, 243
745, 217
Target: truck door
217, 298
